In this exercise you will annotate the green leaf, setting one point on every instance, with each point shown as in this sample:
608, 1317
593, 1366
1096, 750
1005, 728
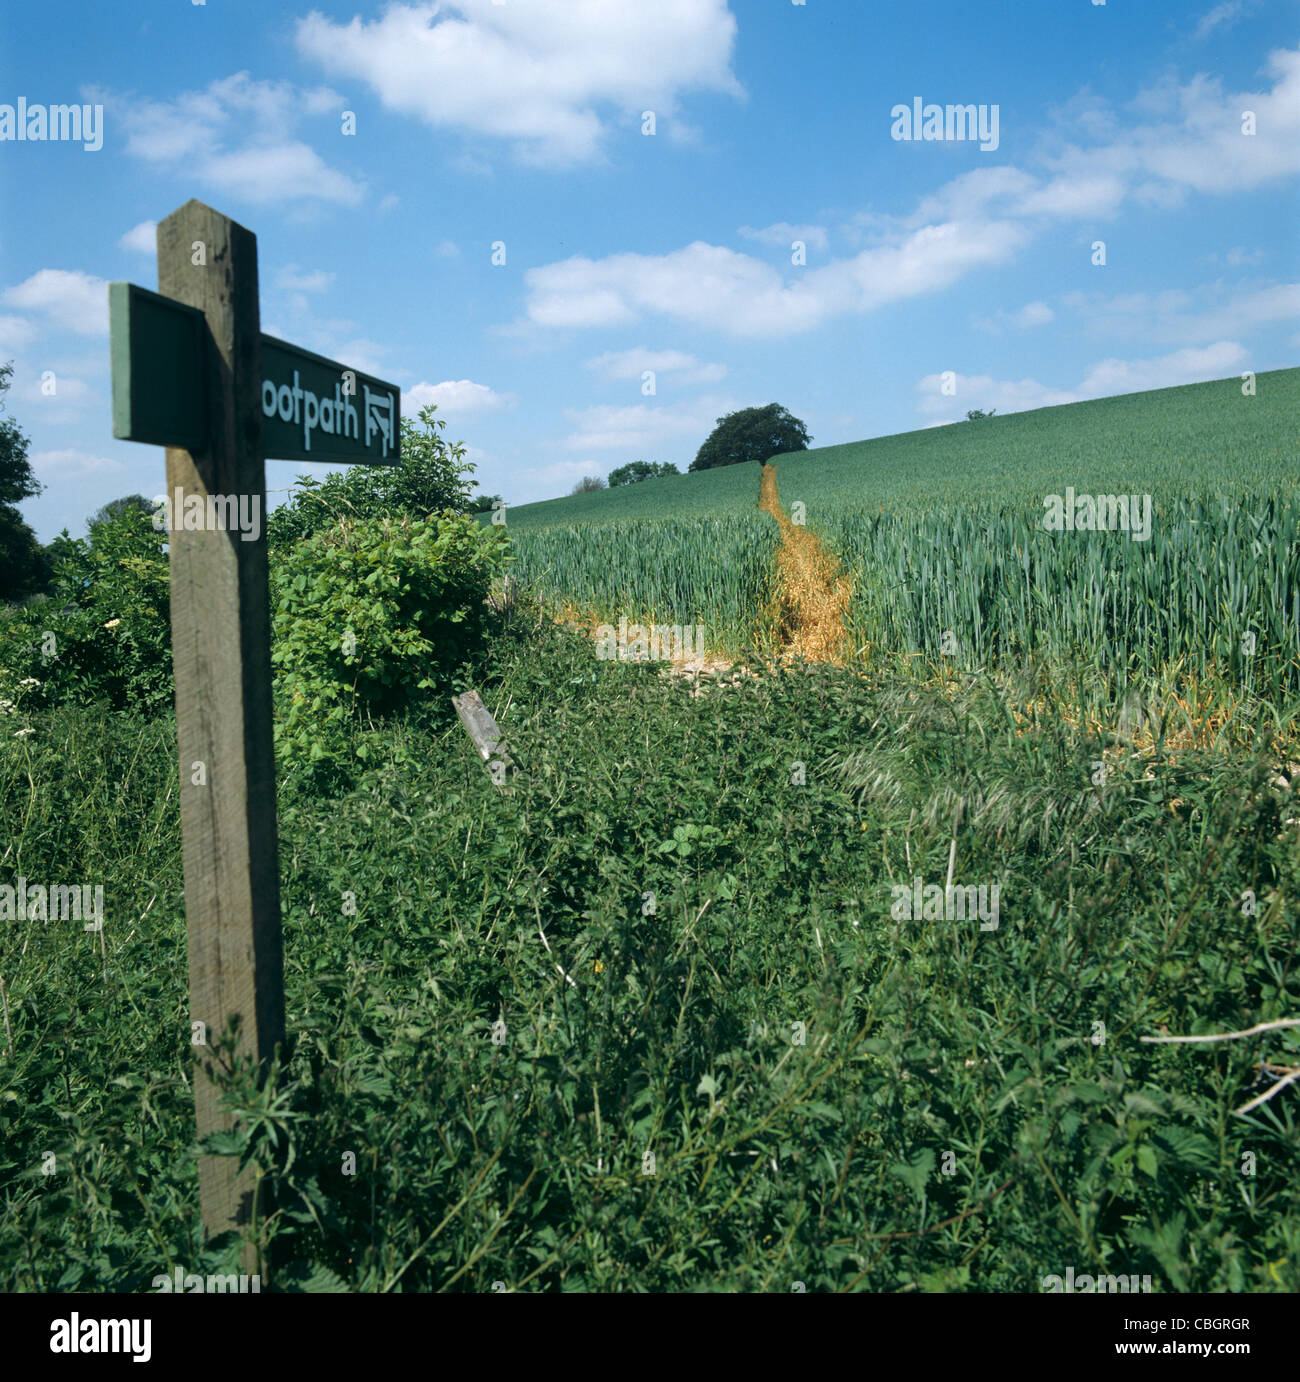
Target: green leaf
916, 1172
1188, 1148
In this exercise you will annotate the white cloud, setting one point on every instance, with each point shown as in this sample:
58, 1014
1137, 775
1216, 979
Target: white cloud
1187, 139
969, 196
546, 77
645, 427
236, 135
1073, 197
715, 287
280, 172
359, 352
567, 471
140, 238
1225, 14
456, 397
983, 391
632, 364
15, 332
783, 235
1191, 138
1173, 139
64, 405
447, 249
69, 300
163, 131
1034, 314
1030, 315
1188, 366
984, 193
1182, 315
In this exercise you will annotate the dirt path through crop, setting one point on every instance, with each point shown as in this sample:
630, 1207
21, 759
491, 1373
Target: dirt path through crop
813, 593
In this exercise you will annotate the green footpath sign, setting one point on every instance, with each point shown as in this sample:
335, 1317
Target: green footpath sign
313, 409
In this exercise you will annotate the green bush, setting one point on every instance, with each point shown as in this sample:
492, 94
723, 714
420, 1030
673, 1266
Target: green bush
104, 635
368, 616
433, 475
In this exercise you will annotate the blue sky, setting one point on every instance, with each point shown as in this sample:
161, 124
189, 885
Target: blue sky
671, 252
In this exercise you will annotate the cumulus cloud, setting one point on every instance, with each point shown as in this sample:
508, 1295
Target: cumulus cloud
140, 238
237, 135
1188, 138
358, 351
68, 299
276, 173
457, 397
1112, 376
1173, 138
712, 286
548, 78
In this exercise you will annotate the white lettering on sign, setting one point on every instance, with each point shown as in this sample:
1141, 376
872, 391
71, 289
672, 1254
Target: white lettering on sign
380, 417
336, 417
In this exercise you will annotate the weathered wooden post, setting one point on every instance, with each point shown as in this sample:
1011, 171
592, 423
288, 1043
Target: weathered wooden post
192, 372
221, 659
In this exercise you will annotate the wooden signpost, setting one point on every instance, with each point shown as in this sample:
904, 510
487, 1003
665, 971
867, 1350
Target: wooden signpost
192, 372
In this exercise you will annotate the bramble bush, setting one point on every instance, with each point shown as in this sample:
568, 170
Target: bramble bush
369, 616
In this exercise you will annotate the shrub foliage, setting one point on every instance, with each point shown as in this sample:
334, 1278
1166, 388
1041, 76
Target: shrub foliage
369, 616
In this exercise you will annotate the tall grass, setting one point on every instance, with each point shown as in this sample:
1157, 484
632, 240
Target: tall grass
715, 572
1215, 590
941, 531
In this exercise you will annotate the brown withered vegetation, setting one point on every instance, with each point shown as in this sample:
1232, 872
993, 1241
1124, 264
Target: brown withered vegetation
813, 592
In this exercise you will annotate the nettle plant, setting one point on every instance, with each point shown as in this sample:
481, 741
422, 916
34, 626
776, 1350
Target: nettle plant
371, 617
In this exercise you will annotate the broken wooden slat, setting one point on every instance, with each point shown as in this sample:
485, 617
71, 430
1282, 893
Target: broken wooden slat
486, 734
479, 725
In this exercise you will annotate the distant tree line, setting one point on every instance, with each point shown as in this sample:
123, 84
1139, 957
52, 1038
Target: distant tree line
749, 434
